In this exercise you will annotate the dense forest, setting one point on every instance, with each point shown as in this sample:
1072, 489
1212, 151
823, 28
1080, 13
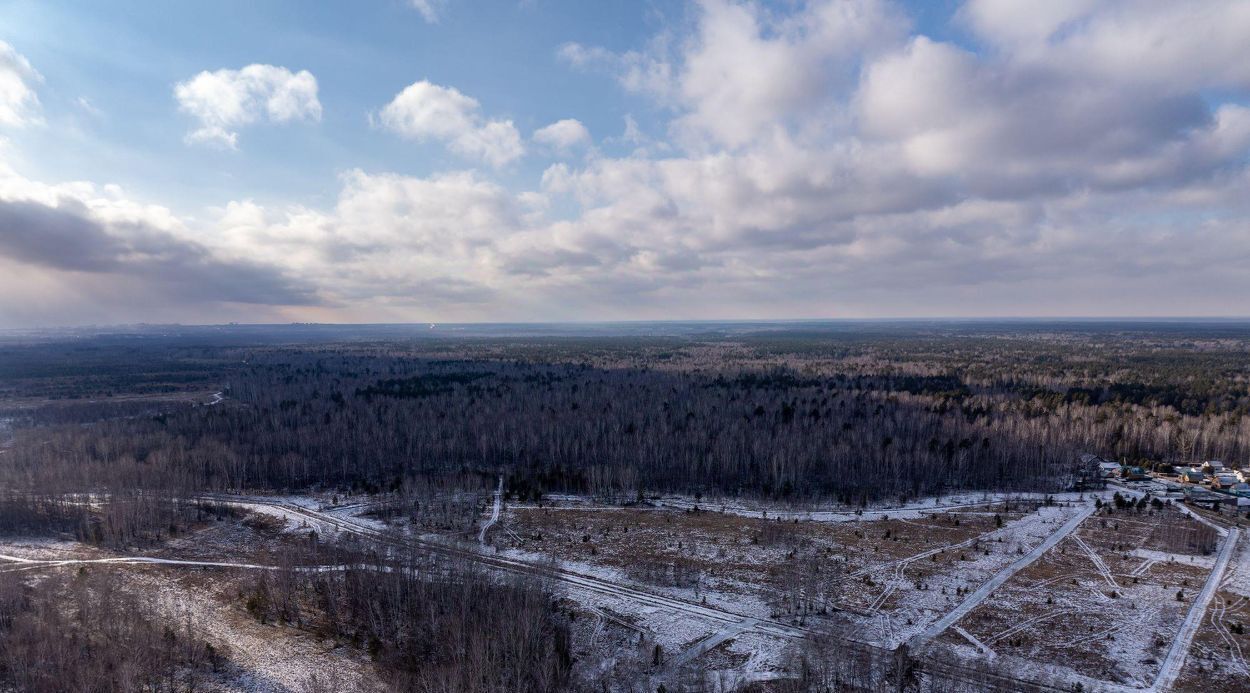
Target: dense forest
852, 416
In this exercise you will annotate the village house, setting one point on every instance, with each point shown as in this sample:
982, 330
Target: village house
1192, 475
1210, 500
1135, 474
1087, 473
1098, 465
1225, 481
1108, 469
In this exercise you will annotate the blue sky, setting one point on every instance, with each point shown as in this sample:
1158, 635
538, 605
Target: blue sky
386, 160
126, 57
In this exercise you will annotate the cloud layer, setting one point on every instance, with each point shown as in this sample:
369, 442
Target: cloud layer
430, 9
563, 135
75, 253
817, 159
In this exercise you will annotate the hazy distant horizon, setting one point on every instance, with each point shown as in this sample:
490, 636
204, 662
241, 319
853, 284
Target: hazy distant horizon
640, 327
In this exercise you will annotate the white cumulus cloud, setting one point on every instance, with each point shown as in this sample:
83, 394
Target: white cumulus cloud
425, 111
225, 100
563, 135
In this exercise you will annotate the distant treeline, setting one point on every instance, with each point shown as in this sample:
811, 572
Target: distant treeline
568, 428
853, 419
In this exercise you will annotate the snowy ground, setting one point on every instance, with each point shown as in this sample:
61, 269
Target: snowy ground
1237, 579
1220, 656
703, 584
913, 509
1100, 608
928, 591
180, 586
20, 549
271, 659
883, 579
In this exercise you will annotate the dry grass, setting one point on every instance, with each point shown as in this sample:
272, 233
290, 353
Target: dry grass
1218, 658
1110, 616
768, 558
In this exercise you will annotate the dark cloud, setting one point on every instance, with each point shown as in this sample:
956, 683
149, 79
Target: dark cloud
65, 238
56, 237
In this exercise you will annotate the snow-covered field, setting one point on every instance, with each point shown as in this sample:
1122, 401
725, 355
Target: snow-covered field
1219, 658
882, 575
1100, 608
177, 585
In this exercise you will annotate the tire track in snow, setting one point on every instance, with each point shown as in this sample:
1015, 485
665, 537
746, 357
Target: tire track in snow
1175, 661
1142, 569
712, 641
987, 536
975, 599
1025, 625
1096, 560
29, 564
888, 590
1216, 618
494, 513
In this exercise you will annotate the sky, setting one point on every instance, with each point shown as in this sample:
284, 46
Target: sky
552, 160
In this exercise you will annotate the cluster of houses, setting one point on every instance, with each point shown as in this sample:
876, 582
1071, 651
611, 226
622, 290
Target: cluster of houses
1212, 473
1212, 483
1220, 478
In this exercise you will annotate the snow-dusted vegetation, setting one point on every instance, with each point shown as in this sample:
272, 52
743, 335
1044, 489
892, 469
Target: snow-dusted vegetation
729, 512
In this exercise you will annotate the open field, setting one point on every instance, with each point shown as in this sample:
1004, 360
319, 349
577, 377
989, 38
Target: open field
1099, 608
1104, 605
889, 576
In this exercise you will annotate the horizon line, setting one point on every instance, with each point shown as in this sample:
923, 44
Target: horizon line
646, 321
